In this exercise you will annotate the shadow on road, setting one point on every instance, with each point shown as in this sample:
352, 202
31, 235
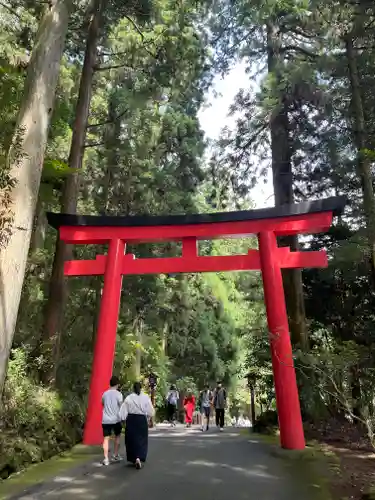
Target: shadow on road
187, 465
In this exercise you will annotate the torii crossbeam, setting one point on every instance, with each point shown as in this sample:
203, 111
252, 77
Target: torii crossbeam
267, 224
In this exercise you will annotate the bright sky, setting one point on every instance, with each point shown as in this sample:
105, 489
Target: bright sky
215, 116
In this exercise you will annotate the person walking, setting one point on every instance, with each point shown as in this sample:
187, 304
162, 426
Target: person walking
172, 401
220, 402
111, 421
135, 412
189, 407
205, 401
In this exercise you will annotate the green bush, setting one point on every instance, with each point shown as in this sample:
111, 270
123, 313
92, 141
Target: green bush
266, 423
36, 423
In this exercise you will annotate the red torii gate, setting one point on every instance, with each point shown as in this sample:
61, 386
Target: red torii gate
268, 223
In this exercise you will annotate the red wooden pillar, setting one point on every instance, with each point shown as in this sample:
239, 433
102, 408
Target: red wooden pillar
287, 400
105, 344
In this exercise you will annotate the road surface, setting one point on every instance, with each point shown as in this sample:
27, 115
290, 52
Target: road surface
186, 464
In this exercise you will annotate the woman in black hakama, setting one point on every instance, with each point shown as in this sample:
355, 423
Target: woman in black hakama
135, 411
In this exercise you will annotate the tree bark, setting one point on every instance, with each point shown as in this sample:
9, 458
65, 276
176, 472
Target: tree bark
356, 391
40, 226
58, 289
252, 405
283, 189
138, 351
31, 138
360, 140
164, 337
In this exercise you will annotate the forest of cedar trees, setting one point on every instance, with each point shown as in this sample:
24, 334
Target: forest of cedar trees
99, 103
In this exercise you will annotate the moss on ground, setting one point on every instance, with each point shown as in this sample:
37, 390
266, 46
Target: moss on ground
370, 495
314, 465
44, 471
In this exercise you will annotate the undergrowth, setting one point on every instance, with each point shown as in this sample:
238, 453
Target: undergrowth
36, 423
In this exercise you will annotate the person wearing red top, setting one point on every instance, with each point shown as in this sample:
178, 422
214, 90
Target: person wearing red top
189, 407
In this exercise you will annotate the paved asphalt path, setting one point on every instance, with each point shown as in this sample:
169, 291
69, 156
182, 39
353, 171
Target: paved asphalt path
187, 464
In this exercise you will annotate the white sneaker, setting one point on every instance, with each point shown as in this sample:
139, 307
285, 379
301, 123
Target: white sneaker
221, 429
138, 464
105, 461
117, 458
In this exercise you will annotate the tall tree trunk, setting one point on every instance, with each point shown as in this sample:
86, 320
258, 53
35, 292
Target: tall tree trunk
58, 289
283, 189
360, 140
111, 138
31, 138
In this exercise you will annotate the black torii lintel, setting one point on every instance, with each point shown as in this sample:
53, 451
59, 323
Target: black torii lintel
335, 204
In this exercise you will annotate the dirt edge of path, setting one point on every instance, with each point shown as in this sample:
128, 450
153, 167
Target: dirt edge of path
314, 465
344, 461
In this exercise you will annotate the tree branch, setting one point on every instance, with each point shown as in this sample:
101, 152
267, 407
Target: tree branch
301, 50
93, 145
138, 30
249, 142
297, 31
9, 9
135, 26
107, 122
115, 66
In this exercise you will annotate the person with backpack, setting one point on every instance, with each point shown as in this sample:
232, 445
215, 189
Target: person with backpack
220, 403
205, 401
172, 402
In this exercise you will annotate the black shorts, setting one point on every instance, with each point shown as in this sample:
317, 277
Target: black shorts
109, 428
206, 411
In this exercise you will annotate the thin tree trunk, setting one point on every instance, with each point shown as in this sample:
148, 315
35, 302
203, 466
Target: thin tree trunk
31, 138
138, 351
40, 226
283, 189
98, 298
252, 405
58, 289
356, 391
360, 139
164, 336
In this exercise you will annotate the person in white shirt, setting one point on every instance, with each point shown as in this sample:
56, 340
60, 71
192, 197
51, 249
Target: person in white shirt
135, 411
111, 421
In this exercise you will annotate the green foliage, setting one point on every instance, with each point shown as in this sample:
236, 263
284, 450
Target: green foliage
299, 52
266, 423
143, 154
53, 169
36, 423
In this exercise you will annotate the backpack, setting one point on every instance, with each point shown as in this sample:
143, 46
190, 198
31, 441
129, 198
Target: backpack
201, 396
